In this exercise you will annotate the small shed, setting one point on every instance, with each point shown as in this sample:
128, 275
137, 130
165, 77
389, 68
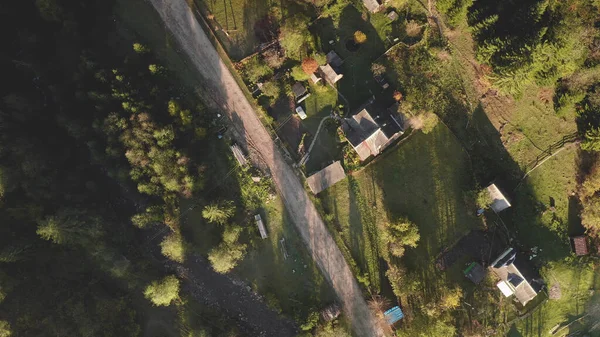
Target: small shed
393, 16
371, 5
393, 315
238, 154
580, 246
475, 272
300, 92
499, 201
326, 177
331, 312
261, 226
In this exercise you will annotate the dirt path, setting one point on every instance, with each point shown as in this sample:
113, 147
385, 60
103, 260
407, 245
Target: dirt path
228, 96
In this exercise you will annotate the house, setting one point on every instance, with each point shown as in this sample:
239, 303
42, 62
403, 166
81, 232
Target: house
516, 277
369, 137
238, 154
329, 74
331, 71
300, 92
261, 226
334, 59
499, 201
371, 5
393, 16
475, 272
579, 244
325, 178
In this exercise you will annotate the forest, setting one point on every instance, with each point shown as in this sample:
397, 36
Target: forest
94, 146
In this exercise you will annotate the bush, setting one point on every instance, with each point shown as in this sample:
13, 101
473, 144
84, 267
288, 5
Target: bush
298, 74
255, 69
271, 89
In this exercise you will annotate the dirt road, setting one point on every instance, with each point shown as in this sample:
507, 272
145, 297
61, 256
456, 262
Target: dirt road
225, 92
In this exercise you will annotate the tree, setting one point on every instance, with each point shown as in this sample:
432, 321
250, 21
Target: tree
591, 141
162, 293
294, 36
590, 216
483, 200
5, 329
140, 48
152, 215
218, 212
256, 69
173, 248
227, 255
377, 69
309, 65
71, 227
298, 74
271, 89
360, 37
399, 234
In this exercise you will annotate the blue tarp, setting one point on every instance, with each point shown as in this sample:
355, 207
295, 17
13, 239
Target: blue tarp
393, 315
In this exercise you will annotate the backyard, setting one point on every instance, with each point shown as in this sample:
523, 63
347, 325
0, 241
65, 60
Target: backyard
423, 179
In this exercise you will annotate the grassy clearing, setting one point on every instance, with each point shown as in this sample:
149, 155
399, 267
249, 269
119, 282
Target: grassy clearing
293, 285
422, 179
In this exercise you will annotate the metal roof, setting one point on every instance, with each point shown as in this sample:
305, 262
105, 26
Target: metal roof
393, 315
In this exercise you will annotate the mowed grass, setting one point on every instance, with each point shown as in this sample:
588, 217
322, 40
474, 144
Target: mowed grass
576, 278
294, 283
422, 179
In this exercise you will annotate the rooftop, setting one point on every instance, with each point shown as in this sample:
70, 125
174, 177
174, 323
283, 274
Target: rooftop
326, 178
580, 246
499, 201
475, 273
334, 59
516, 275
367, 135
330, 74
371, 5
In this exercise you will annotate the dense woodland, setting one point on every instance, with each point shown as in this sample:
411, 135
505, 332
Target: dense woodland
94, 144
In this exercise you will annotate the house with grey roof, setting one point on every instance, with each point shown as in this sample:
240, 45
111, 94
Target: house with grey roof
325, 178
516, 276
370, 136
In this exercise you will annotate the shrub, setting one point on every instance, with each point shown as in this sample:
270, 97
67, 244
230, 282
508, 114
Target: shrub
360, 37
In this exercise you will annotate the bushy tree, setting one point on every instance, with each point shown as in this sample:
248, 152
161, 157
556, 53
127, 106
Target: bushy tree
591, 141
360, 37
256, 69
70, 227
298, 74
152, 215
218, 213
400, 234
227, 255
377, 69
294, 36
173, 247
309, 65
5, 329
271, 89
163, 292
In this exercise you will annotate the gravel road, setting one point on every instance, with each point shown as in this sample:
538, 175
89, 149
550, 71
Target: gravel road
226, 95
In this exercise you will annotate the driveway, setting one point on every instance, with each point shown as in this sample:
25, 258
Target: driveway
225, 94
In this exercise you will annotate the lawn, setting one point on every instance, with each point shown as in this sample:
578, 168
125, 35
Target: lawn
422, 179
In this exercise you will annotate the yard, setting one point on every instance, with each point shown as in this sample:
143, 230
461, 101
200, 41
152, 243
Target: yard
423, 179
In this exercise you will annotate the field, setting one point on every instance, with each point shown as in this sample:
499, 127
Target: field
422, 179
507, 136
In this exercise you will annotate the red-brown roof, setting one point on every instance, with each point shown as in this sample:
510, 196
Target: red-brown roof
580, 245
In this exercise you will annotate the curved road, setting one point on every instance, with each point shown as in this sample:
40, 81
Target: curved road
228, 96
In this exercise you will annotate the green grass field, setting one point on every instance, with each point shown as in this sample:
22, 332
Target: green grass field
422, 179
